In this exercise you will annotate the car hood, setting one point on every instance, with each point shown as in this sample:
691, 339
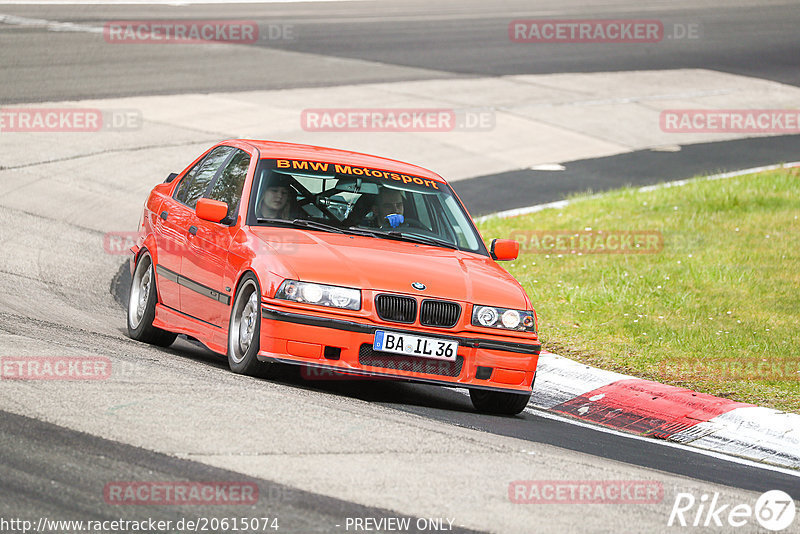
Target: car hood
389, 265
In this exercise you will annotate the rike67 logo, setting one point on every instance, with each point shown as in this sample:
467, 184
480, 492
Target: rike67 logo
774, 510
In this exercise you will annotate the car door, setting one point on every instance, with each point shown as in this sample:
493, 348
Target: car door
177, 214
170, 236
205, 295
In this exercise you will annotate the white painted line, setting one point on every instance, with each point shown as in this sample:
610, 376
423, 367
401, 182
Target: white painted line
637, 99
524, 211
752, 431
710, 452
755, 433
720, 456
177, 3
721, 176
50, 25
563, 203
666, 148
548, 167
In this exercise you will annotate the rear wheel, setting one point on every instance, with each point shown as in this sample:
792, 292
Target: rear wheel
245, 329
498, 402
142, 305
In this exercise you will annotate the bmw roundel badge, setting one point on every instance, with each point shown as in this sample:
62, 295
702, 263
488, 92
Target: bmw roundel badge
418, 285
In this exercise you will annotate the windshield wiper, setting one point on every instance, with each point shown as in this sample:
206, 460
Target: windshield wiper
360, 231
415, 238
303, 223
316, 225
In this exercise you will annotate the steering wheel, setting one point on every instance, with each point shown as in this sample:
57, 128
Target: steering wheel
411, 222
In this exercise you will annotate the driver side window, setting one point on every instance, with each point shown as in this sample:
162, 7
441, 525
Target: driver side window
194, 185
229, 185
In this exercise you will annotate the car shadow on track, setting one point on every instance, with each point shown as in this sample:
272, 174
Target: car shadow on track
390, 392
396, 393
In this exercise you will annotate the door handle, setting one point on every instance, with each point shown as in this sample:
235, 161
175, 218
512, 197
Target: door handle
164, 215
193, 230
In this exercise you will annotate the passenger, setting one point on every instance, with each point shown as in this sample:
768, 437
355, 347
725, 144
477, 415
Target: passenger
276, 201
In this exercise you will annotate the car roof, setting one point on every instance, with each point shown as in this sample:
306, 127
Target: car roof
277, 149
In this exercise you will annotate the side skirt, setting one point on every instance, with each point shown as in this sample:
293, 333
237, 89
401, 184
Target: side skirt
213, 337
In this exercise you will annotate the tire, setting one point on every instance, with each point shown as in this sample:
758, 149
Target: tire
244, 330
498, 402
142, 305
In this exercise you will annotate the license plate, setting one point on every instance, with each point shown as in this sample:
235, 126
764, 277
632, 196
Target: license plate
410, 345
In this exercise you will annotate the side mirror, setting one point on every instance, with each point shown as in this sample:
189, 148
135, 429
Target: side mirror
171, 177
211, 210
504, 249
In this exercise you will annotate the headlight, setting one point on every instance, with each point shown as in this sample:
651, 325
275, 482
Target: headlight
320, 294
485, 316
493, 317
511, 319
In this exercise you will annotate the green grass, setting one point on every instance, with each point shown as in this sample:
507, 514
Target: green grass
721, 296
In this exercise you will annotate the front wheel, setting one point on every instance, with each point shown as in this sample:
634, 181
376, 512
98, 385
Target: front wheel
142, 306
498, 402
245, 329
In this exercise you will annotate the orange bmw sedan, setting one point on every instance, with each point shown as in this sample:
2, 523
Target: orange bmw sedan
276, 253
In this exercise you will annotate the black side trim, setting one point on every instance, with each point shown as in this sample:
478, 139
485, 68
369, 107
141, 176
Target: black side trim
336, 324
188, 283
192, 317
172, 276
351, 326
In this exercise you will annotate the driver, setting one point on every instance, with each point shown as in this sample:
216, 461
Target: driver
389, 207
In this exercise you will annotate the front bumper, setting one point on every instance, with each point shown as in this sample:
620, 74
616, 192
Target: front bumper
346, 346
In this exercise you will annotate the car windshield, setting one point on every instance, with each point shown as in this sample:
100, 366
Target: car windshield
368, 201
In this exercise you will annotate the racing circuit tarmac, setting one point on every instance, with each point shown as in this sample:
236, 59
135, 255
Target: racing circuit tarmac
320, 452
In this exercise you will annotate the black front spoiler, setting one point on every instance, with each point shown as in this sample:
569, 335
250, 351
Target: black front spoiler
351, 326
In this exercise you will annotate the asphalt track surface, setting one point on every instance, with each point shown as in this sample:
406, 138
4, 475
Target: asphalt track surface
50, 470
431, 40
